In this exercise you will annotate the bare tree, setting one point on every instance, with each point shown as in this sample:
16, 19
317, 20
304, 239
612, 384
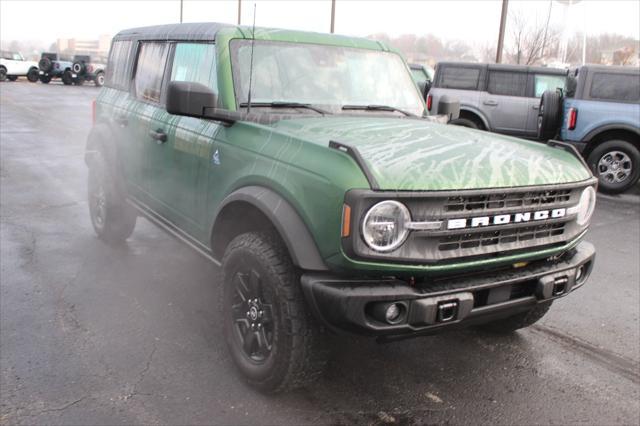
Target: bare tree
529, 41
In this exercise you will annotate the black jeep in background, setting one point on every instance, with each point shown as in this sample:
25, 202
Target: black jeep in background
86, 68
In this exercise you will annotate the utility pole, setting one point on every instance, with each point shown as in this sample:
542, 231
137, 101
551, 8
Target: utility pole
333, 15
239, 11
181, 11
503, 24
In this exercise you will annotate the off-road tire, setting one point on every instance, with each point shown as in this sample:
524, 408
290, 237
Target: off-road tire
518, 321
33, 75
67, 80
465, 122
298, 351
45, 64
112, 218
549, 114
99, 79
45, 79
12, 77
625, 152
3, 73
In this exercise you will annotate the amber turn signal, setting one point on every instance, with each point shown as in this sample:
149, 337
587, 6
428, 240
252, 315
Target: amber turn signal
346, 220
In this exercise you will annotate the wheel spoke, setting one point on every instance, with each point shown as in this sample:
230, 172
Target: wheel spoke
241, 287
264, 347
249, 340
239, 311
254, 284
267, 313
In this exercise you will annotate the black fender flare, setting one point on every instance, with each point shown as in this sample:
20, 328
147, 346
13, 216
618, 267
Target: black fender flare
472, 110
601, 129
292, 229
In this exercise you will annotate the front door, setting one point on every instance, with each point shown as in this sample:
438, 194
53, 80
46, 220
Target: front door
180, 149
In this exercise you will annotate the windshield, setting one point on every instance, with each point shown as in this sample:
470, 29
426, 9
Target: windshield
328, 76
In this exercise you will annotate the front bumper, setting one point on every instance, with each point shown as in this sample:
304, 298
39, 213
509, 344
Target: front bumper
358, 305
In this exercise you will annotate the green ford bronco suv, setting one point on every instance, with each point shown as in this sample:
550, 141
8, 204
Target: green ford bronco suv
306, 167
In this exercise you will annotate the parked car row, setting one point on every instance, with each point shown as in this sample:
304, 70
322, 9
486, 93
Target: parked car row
596, 109
78, 70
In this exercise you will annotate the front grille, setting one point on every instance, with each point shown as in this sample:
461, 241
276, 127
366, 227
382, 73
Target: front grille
475, 240
528, 199
503, 236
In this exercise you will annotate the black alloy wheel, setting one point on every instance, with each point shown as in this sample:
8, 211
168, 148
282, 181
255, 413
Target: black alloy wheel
252, 316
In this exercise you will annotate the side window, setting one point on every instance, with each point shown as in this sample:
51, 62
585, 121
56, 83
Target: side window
195, 62
542, 83
150, 70
615, 87
117, 69
507, 83
460, 78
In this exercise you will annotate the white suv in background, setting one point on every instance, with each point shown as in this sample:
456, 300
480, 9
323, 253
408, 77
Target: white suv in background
13, 65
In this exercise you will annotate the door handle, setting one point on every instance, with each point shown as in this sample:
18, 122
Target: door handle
535, 107
121, 120
158, 135
491, 103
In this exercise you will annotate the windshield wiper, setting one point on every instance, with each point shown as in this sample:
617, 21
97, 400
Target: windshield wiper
376, 108
285, 104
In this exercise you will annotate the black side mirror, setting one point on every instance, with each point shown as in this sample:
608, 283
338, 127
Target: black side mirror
188, 98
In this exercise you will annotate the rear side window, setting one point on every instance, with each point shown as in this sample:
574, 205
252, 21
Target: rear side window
195, 62
542, 83
460, 78
507, 83
117, 73
150, 70
615, 87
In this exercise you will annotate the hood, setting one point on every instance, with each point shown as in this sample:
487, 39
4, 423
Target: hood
407, 154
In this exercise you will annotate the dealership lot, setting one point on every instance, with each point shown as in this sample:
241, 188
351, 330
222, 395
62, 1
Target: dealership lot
92, 334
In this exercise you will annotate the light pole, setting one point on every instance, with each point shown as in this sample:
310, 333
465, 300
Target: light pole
239, 11
181, 11
503, 24
333, 15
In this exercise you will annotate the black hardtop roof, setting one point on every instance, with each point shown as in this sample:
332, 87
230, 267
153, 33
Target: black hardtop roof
611, 68
205, 31
509, 67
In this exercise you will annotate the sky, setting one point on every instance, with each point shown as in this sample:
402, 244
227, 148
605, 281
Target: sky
470, 21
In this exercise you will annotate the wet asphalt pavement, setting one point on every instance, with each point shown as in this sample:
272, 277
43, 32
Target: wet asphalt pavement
90, 334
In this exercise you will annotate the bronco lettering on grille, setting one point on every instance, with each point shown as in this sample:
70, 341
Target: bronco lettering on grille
503, 219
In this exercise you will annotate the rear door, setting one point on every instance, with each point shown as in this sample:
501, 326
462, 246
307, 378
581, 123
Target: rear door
505, 102
147, 97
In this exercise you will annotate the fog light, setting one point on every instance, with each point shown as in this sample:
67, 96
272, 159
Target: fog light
392, 313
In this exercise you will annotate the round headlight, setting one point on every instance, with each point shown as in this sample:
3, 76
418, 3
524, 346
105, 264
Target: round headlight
586, 205
383, 227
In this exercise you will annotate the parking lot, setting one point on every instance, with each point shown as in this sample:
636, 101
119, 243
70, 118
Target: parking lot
92, 334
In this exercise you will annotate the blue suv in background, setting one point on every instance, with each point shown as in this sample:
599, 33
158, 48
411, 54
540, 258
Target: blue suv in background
599, 114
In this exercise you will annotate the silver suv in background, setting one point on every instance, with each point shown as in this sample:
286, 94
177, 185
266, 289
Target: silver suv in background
499, 98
